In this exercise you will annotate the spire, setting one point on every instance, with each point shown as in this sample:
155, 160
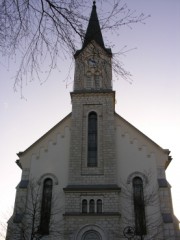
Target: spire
93, 31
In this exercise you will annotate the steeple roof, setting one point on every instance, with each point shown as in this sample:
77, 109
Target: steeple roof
93, 31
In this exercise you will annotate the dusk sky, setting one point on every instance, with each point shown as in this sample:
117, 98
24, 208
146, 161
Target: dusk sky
151, 103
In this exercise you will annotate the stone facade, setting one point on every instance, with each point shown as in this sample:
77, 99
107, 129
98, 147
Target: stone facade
103, 104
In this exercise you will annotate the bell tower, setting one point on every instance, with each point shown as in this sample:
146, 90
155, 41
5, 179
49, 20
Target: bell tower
93, 70
92, 153
92, 165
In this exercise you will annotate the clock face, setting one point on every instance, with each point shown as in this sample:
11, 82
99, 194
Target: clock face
92, 62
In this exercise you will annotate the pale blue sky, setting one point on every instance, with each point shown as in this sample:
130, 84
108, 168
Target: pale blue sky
151, 103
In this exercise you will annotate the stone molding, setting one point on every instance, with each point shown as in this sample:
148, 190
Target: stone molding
87, 228
48, 175
137, 174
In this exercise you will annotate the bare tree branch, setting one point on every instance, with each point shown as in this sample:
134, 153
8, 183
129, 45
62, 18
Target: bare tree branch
26, 227
42, 31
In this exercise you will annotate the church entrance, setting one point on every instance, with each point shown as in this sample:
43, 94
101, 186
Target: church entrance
91, 232
91, 235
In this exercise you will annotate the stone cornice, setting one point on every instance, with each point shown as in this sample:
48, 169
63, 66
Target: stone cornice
110, 214
92, 188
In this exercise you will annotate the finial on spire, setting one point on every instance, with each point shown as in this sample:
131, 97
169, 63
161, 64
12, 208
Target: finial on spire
94, 3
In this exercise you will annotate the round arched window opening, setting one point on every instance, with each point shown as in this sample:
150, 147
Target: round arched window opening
84, 206
46, 206
92, 139
139, 206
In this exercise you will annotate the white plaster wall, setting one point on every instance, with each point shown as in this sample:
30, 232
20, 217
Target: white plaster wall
131, 157
136, 152
54, 159
49, 156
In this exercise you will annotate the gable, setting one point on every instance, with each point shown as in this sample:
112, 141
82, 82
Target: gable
133, 135
43, 142
91, 49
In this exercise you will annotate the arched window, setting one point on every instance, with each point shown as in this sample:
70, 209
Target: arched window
46, 206
92, 140
99, 206
84, 206
139, 207
92, 206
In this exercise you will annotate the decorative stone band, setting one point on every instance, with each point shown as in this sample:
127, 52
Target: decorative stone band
90, 188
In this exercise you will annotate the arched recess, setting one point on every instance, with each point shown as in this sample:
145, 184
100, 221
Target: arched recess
48, 175
92, 206
99, 206
91, 235
91, 232
137, 174
84, 206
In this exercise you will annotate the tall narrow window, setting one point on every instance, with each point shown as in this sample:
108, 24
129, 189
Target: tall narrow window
92, 206
92, 140
139, 207
46, 206
84, 206
99, 206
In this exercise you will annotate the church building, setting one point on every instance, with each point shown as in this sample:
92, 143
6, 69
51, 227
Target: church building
93, 176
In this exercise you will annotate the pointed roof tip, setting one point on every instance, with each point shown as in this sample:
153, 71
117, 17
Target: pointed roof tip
93, 31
